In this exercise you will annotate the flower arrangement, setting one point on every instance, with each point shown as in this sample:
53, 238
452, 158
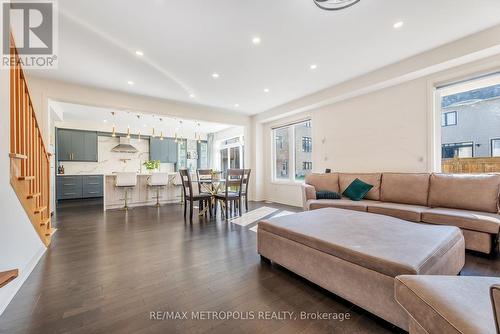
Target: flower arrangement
152, 164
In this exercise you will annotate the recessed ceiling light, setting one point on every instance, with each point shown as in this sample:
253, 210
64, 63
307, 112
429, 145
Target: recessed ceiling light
256, 40
192, 96
313, 66
215, 75
130, 82
398, 24
236, 105
104, 120
139, 53
266, 90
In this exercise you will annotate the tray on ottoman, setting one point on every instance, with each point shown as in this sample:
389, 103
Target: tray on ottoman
357, 255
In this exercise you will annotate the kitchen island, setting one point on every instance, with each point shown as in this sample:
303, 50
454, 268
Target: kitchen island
141, 194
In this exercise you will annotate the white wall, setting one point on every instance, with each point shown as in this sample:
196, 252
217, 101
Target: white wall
20, 246
389, 129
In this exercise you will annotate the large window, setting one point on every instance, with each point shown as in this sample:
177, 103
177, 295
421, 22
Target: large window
232, 153
292, 151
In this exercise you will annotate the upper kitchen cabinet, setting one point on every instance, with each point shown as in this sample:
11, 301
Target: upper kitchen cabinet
164, 150
76, 145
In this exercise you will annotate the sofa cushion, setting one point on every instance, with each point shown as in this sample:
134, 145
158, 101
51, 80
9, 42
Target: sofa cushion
406, 188
338, 203
477, 192
402, 211
384, 244
325, 194
357, 190
448, 304
327, 181
470, 220
345, 179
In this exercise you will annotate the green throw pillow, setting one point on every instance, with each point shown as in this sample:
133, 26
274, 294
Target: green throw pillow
357, 190
325, 194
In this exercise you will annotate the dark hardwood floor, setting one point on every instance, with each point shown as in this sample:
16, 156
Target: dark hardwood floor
106, 273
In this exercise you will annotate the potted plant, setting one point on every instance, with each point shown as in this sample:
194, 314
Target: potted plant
152, 165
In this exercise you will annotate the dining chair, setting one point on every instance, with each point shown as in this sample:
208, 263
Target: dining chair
232, 191
203, 175
246, 182
190, 196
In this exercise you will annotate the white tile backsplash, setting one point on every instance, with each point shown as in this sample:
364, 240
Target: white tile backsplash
110, 162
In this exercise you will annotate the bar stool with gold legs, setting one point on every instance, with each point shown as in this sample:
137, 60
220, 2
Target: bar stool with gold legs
126, 181
158, 181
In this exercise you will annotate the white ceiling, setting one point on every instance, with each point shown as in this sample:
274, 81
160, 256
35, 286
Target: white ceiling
101, 119
184, 42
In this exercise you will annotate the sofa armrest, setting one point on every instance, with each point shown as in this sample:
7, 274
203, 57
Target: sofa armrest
495, 301
308, 193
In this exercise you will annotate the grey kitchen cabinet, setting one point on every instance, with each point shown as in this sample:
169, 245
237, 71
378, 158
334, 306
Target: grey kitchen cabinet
76, 145
63, 144
164, 150
79, 186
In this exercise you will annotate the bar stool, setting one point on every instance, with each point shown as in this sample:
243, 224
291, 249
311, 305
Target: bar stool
126, 181
158, 181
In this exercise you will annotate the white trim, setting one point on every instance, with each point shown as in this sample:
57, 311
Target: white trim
13, 287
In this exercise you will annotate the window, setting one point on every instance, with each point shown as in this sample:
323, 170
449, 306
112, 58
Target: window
292, 154
306, 144
232, 153
458, 150
449, 118
495, 147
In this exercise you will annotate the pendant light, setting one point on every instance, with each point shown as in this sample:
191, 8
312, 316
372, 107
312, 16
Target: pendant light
128, 131
113, 132
161, 134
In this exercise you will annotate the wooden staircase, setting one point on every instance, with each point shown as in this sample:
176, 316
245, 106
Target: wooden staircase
29, 159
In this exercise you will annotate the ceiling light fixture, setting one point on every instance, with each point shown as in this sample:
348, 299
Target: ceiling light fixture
215, 75
313, 67
335, 4
398, 24
266, 90
113, 132
192, 96
130, 82
105, 121
139, 53
256, 40
236, 105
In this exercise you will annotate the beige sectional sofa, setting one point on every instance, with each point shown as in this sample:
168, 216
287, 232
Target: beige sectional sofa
449, 304
468, 201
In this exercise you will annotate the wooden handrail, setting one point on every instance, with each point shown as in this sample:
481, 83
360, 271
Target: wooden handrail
7, 276
27, 147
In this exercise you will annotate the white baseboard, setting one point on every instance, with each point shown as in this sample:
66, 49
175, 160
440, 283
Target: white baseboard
8, 292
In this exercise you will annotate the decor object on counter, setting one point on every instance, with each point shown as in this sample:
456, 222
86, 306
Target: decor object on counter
60, 169
152, 165
357, 190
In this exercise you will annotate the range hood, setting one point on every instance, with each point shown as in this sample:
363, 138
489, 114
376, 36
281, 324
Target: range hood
124, 146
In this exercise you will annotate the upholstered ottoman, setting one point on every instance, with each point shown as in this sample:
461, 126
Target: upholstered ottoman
357, 255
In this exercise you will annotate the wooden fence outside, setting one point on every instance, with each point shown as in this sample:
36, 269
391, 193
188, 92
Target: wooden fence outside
471, 165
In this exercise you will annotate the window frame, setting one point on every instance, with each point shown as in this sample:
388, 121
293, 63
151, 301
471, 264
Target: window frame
445, 123
472, 146
291, 151
491, 147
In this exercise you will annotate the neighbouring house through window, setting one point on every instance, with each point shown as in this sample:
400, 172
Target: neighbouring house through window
470, 125
292, 151
495, 147
449, 118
